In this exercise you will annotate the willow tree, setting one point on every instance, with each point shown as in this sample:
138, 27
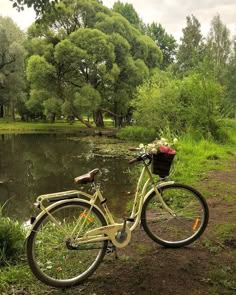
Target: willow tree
94, 59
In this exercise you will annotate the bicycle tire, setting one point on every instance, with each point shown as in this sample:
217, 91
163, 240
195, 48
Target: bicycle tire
48, 255
175, 231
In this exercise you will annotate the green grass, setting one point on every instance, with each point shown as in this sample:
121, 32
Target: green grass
225, 231
9, 126
195, 158
16, 278
135, 133
11, 240
223, 280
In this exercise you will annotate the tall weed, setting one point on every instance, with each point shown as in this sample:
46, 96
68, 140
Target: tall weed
11, 240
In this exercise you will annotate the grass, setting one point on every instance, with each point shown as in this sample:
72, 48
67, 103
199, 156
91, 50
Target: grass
225, 231
223, 280
195, 158
9, 126
11, 240
18, 278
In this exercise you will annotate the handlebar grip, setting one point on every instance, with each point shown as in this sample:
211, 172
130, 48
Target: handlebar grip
133, 161
132, 149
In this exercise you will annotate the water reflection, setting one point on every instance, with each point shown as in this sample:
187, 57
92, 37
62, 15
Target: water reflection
37, 164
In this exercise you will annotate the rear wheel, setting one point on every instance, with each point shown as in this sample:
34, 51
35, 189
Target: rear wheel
186, 222
56, 261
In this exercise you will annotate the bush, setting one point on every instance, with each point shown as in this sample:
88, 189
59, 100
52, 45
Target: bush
187, 105
141, 134
11, 240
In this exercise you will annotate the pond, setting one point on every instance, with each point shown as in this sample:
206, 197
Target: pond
34, 164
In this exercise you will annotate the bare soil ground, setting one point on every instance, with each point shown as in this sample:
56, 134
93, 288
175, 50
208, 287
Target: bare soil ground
208, 266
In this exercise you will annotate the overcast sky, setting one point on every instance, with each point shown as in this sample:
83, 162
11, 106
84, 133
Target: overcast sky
170, 13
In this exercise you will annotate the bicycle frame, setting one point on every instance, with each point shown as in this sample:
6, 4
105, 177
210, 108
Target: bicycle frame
109, 231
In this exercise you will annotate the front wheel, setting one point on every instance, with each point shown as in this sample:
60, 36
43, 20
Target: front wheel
182, 222
56, 260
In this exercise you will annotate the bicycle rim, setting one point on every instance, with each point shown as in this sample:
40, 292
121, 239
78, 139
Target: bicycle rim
186, 221
50, 256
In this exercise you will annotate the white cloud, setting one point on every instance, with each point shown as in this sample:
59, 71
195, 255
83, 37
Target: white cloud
172, 14
23, 19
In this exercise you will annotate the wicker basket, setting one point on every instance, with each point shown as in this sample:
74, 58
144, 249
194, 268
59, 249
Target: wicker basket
161, 164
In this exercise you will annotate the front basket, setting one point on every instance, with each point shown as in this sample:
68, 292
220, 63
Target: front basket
161, 164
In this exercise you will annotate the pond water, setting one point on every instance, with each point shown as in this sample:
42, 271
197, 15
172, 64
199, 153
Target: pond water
34, 164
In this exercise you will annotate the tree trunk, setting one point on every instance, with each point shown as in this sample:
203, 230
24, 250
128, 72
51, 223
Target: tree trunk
1, 111
86, 123
13, 112
98, 118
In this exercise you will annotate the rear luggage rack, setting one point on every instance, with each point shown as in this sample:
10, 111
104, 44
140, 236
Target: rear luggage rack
54, 197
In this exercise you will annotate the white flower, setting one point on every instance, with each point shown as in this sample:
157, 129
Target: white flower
154, 151
141, 146
175, 140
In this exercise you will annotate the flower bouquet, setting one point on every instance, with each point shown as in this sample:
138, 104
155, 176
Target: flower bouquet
162, 156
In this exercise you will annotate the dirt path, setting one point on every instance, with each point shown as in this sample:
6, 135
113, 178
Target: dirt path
206, 267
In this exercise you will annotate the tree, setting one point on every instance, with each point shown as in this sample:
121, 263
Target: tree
218, 45
191, 49
39, 6
127, 10
89, 58
11, 67
166, 43
229, 80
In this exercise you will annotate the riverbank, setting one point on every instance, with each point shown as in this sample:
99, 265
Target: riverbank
19, 127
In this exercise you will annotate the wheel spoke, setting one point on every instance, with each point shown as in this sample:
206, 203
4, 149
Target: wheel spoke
188, 223
57, 260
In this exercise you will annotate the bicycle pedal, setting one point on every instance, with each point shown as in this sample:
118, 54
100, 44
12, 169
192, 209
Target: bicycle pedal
111, 249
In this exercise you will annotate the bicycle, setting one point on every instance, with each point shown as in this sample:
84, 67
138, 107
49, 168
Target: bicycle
71, 235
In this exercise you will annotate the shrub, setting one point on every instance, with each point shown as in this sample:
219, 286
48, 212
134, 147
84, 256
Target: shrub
11, 240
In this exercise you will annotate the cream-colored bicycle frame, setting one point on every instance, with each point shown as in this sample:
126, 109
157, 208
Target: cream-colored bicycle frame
109, 231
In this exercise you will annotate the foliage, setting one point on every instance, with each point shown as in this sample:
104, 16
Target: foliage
11, 240
127, 10
39, 5
166, 42
82, 44
199, 100
218, 45
181, 105
85, 60
229, 80
191, 48
12, 80
156, 105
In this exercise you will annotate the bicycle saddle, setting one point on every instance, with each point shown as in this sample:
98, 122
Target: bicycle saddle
86, 178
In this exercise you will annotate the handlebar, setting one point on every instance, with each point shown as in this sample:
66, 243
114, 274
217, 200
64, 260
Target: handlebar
142, 157
134, 149
134, 160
